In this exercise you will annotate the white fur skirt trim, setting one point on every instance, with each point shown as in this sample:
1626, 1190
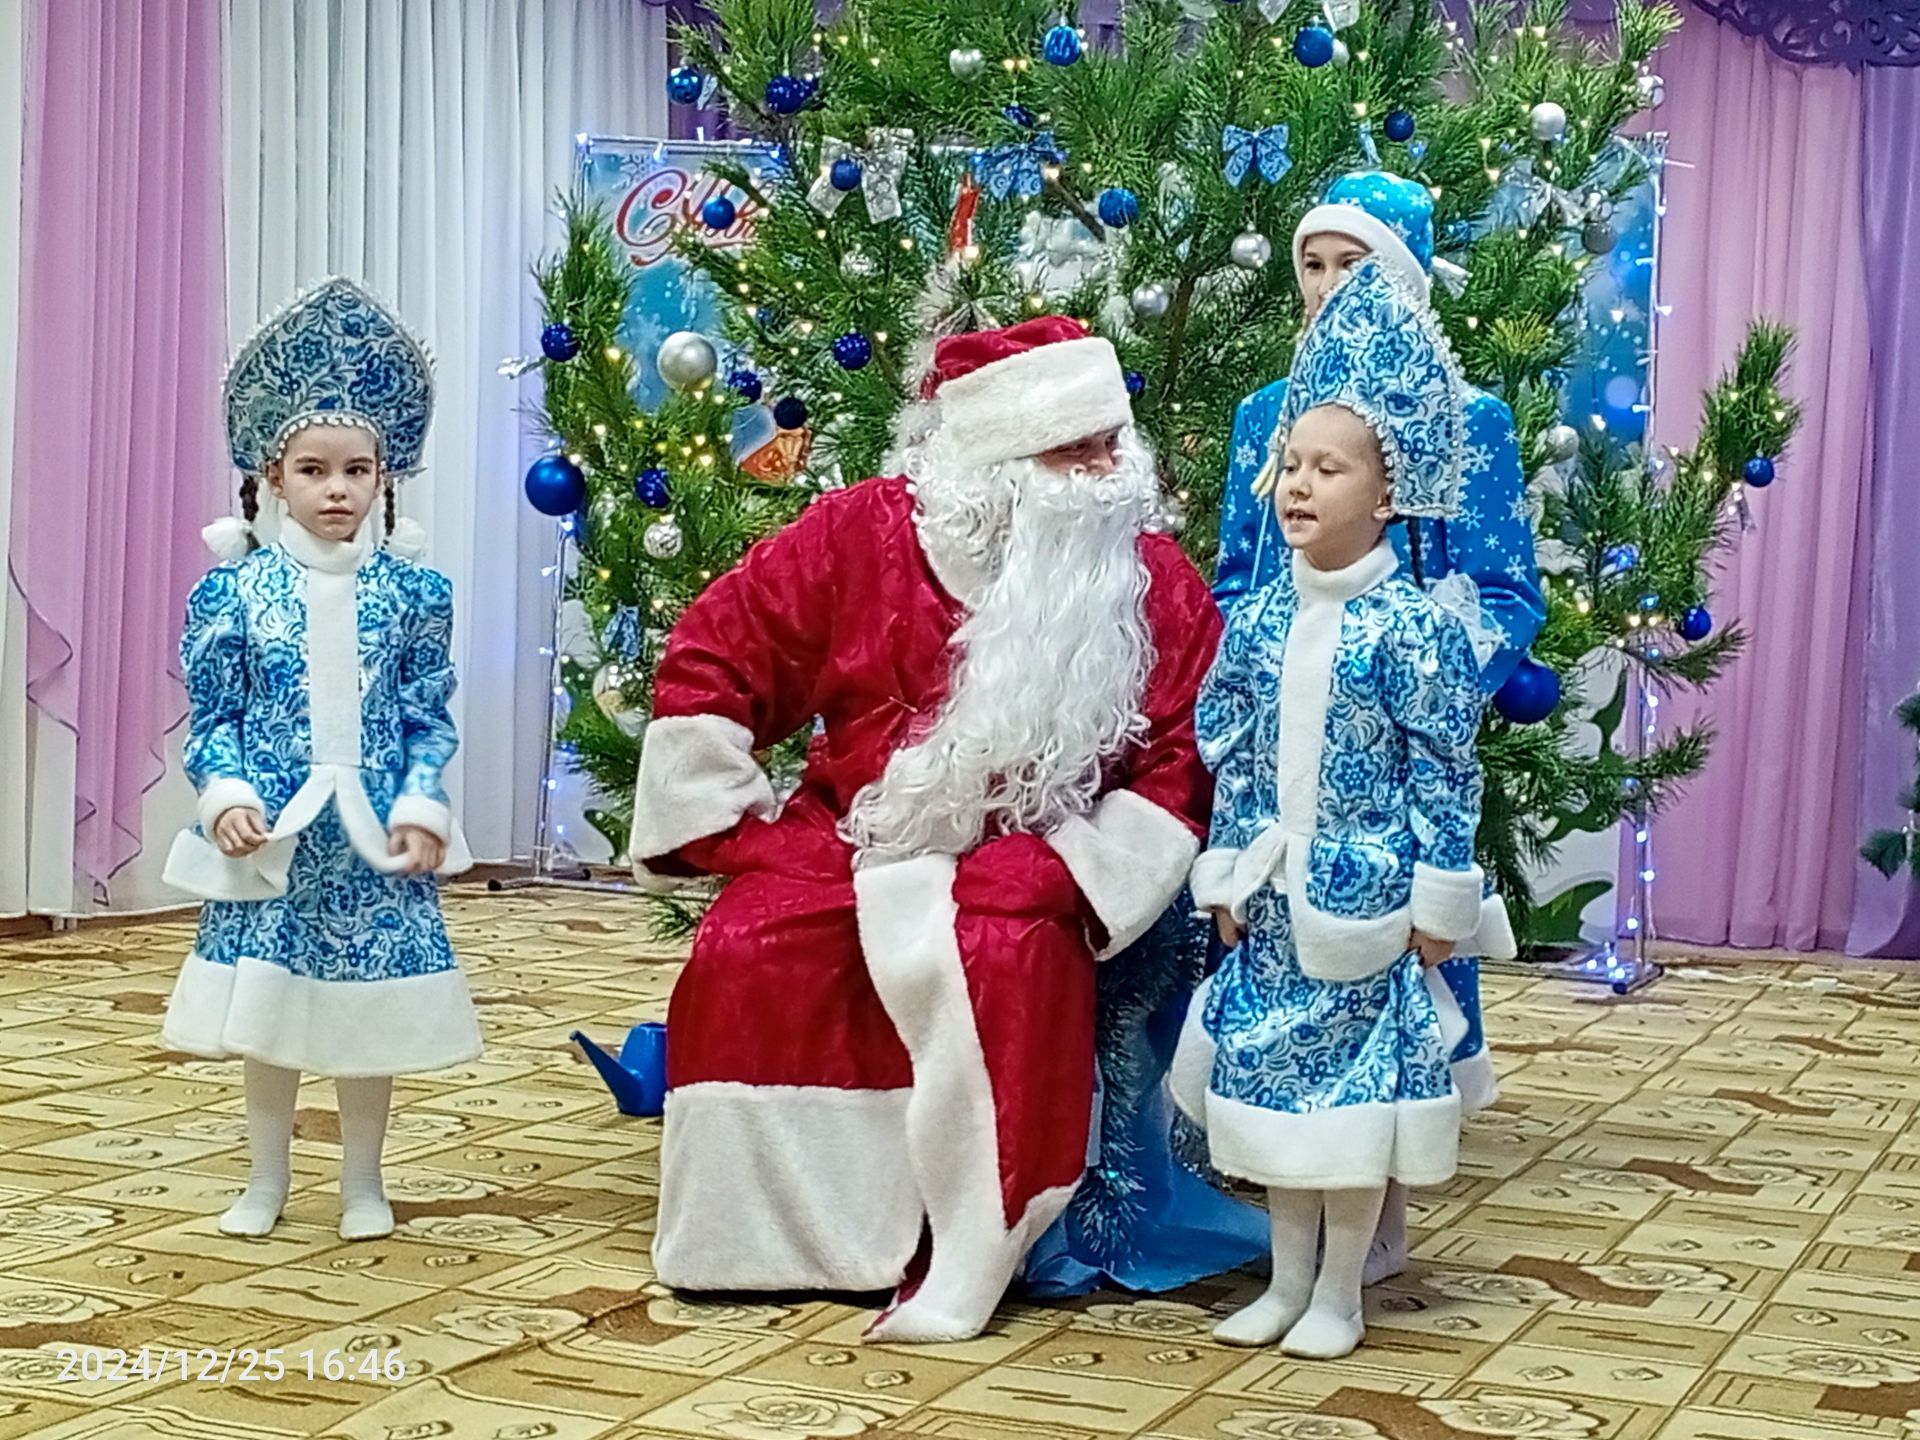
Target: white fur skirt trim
1349, 1147
340, 1028
785, 1187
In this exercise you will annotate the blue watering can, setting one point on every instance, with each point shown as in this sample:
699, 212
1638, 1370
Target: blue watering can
638, 1079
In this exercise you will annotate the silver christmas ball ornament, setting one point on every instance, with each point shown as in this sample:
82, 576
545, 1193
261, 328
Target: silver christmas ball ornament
1651, 89
857, 265
1549, 123
686, 359
1562, 442
1251, 250
1342, 57
1597, 237
663, 538
966, 63
1151, 301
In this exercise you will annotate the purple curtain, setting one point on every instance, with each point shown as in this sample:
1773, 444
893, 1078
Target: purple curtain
1886, 913
117, 454
1764, 218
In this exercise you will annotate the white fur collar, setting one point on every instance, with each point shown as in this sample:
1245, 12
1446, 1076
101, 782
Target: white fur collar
334, 557
1372, 569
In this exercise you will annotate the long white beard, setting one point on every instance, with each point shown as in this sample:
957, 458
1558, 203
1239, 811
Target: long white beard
1052, 662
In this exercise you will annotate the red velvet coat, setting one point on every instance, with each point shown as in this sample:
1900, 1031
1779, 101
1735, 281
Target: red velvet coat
853, 1056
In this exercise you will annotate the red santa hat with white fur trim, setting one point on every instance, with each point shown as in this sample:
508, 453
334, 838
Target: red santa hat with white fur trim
1030, 388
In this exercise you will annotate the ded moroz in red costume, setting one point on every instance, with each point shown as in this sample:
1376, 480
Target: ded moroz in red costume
866, 1054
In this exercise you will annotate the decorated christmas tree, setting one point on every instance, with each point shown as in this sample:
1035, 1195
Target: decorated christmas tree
919, 147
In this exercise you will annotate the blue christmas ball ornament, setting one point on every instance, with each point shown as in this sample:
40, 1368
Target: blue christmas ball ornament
1759, 472
853, 350
1118, 207
555, 486
769, 317
1400, 126
787, 95
1621, 558
1062, 45
845, 174
557, 342
684, 85
745, 384
1531, 694
719, 213
1313, 46
791, 413
650, 487
1136, 382
1696, 625
1019, 115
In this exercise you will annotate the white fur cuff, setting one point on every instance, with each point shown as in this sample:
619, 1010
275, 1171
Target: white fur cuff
224, 794
1128, 858
1446, 903
1212, 879
698, 777
422, 814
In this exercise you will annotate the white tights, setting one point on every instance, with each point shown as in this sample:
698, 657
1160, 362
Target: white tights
271, 1094
1314, 1316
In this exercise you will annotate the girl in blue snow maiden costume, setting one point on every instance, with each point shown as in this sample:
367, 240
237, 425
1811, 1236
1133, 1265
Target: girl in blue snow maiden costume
1339, 722
319, 672
1487, 545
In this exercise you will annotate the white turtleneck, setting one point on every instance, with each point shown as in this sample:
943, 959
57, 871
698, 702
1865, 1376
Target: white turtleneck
1306, 675
333, 638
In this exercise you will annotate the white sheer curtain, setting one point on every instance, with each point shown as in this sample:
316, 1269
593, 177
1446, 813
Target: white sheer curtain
18, 831
418, 147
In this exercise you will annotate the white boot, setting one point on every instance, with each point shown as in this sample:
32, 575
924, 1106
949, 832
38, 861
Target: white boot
1295, 1218
364, 1212
1388, 1255
1334, 1324
271, 1093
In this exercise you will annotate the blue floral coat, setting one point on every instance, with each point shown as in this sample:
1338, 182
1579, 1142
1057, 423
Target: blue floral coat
319, 678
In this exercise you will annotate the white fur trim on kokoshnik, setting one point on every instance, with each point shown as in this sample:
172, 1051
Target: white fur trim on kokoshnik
1037, 400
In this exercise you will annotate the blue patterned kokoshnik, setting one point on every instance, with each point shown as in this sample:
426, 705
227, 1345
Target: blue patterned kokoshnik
335, 355
1377, 350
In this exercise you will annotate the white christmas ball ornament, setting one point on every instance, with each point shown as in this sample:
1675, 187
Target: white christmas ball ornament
966, 64
1342, 57
686, 359
663, 539
1549, 123
1651, 89
1251, 250
1562, 442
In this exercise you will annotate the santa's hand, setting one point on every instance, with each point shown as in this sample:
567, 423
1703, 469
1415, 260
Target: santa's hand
424, 851
1432, 952
1230, 932
240, 831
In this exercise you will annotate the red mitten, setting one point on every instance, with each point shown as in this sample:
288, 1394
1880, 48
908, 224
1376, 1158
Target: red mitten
1023, 875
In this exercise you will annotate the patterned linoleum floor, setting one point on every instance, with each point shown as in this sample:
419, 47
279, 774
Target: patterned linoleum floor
1696, 1213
